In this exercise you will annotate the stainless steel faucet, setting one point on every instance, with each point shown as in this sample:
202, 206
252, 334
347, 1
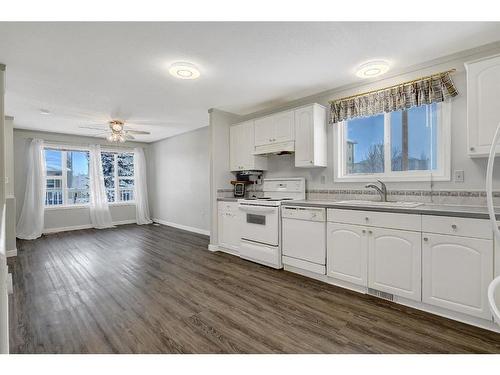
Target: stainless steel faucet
382, 190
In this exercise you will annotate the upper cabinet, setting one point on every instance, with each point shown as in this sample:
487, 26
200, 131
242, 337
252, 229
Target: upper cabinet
310, 136
483, 91
273, 129
241, 148
301, 130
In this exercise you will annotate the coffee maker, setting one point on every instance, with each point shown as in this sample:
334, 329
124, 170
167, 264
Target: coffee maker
243, 179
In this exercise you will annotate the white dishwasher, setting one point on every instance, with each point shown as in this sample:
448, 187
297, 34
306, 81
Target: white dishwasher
304, 238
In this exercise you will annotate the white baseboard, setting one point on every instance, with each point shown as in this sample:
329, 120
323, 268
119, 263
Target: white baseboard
183, 227
123, 222
213, 248
11, 253
85, 226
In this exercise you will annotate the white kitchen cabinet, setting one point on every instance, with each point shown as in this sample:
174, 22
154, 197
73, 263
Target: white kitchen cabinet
456, 273
483, 91
310, 136
347, 253
394, 262
241, 148
229, 225
277, 128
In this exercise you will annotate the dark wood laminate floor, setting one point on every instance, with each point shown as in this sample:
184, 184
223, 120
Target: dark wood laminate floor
150, 289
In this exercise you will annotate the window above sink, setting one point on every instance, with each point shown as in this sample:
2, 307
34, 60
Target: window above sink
407, 145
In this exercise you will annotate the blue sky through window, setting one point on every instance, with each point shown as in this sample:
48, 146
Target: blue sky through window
365, 141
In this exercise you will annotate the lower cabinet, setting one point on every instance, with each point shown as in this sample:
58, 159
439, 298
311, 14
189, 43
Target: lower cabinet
388, 260
229, 226
394, 262
457, 272
347, 253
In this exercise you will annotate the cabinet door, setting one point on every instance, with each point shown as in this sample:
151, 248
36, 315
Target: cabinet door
483, 91
241, 148
457, 272
394, 262
284, 126
347, 248
248, 160
235, 162
304, 137
264, 131
228, 226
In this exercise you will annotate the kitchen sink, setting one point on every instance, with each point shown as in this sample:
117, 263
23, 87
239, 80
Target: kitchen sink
381, 204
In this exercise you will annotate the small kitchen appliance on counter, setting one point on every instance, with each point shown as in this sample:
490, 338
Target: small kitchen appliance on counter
243, 179
239, 188
261, 224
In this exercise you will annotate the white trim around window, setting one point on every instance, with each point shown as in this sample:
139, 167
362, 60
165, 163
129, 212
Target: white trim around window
442, 173
68, 147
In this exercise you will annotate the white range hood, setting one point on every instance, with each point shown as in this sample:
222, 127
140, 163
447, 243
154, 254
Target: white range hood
275, 148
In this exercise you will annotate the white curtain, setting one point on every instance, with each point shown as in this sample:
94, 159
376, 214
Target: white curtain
141, 188
31, 221
100, 216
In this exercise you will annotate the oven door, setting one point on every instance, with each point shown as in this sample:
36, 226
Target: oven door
260, 224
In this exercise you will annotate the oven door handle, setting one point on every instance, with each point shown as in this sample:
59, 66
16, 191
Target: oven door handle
256, 209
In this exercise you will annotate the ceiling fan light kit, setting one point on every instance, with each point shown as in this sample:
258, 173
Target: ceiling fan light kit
116, 131
116, 137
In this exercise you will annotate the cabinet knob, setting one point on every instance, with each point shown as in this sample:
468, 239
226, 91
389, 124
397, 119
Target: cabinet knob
363, 231
454, 226
426, 239
472, 148
367, 218
370, 232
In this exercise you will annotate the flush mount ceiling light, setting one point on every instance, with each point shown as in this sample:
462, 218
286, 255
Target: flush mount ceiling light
184, 70
372, 69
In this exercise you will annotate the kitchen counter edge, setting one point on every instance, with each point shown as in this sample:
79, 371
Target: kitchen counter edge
228, 199
473, 212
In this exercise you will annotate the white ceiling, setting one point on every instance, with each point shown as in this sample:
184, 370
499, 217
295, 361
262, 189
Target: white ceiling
87, 73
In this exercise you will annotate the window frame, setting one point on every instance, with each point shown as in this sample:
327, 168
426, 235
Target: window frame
63, 178
442, 173
117, 179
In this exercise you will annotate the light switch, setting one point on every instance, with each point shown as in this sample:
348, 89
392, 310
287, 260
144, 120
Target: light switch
459, 176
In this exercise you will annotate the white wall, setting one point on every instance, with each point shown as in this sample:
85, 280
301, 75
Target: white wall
475, 169
10, 199
4, 307
61, 217
179, 179
220, 176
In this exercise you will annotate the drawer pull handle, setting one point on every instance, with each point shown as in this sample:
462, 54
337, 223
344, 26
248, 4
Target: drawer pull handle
454, 226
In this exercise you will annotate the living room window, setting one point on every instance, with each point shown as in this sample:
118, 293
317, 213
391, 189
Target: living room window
67, 177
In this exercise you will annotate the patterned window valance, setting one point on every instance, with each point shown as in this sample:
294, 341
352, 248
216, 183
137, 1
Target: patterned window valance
425, 90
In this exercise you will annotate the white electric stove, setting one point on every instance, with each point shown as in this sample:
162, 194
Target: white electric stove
260, 220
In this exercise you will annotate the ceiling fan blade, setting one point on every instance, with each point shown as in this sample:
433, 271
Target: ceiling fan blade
137, 132
102, 127
99, 134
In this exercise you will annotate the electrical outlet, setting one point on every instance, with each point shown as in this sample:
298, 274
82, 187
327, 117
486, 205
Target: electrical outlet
459, 176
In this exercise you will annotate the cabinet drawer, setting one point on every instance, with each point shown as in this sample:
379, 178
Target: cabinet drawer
375, 219
231, 207
457, 226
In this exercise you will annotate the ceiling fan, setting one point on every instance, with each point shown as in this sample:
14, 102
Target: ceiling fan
116, 131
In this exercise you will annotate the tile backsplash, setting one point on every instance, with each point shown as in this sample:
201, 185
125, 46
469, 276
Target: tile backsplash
455, 197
